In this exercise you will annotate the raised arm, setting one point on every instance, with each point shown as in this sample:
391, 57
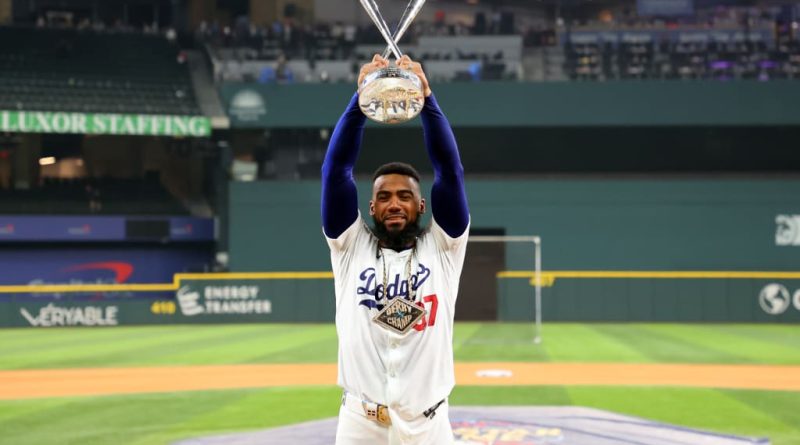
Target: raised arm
448, 196
339, 193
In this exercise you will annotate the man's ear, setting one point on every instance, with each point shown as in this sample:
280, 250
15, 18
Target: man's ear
422, 205
371, 207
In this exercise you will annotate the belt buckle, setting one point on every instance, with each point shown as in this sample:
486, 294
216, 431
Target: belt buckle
383, 415
380, 413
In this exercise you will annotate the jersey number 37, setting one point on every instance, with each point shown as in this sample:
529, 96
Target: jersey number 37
432, 304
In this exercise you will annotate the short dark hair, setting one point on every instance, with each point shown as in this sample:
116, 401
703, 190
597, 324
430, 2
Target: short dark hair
400, 168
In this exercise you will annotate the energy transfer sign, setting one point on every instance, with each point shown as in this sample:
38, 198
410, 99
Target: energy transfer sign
102, 123
204, 300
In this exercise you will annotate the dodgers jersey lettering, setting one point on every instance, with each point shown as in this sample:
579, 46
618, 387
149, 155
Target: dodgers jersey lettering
407, 373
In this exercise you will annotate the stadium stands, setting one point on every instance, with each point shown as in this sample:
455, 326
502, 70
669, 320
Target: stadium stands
50, 69
700, 57
332, 52
446, 58
719, 40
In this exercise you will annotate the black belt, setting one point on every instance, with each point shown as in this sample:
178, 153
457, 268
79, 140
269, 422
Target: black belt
430, 412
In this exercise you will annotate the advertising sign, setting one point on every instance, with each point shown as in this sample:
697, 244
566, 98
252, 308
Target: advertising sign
113, 124
787, 230
69, 312
247, 105
199, 299
220, 300
775, 299
53, 315
97, 265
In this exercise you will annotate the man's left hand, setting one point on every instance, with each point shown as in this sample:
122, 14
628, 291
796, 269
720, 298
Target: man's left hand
406, 63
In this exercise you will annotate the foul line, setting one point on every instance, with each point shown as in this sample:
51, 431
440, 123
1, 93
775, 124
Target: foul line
548, 278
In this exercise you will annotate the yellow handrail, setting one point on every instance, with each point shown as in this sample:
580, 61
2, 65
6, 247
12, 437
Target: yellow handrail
548, 278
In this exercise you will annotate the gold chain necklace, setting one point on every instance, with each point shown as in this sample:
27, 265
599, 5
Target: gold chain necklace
412, 293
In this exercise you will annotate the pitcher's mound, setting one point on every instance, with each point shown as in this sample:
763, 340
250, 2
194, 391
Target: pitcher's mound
512, 425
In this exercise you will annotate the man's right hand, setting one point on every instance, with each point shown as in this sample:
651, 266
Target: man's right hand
377, 63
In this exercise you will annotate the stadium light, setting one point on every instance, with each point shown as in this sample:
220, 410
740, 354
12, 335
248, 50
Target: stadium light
49, 160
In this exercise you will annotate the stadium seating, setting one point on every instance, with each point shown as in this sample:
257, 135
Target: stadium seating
445, 59
639, 57
49, 69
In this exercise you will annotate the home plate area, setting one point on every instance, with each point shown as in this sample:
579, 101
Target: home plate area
511, 426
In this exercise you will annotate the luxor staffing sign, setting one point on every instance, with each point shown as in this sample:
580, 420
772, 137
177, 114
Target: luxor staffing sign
101, 123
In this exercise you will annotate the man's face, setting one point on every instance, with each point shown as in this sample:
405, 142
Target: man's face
396, 202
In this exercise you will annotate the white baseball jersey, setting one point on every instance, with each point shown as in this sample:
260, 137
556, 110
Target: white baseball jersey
409, 373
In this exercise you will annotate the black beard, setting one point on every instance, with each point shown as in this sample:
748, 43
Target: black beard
397, 240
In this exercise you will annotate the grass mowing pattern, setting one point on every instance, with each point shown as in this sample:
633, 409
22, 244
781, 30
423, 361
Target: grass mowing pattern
159, 418
312, 343
172, 345
163, 418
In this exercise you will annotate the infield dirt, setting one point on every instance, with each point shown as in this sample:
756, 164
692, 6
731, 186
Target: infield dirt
41, 383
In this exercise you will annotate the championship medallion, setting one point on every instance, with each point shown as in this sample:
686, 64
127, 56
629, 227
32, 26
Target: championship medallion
399, 316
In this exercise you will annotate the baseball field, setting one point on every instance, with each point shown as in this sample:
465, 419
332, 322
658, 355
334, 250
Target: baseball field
159, 384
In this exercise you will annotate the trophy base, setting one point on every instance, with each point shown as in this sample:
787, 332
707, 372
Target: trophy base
391, 96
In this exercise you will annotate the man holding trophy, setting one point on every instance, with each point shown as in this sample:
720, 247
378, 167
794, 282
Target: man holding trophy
396, 283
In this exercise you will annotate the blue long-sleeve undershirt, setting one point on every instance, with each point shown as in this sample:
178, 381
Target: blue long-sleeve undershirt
448, 197
339, 192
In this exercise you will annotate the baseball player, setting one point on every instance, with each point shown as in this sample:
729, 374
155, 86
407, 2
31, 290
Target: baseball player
396, 282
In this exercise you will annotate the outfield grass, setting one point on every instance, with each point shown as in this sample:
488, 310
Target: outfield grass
163, 418
315, 343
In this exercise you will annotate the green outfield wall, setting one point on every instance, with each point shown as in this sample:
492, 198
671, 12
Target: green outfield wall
540, 104
308, 297
620, 226
685, 250
654, 298
604, 224
191, 299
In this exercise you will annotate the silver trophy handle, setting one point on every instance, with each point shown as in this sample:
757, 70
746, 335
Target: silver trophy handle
391, 95
374, 13
409, 15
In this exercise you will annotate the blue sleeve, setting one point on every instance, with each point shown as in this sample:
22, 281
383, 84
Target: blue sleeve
339, 193
448, 197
